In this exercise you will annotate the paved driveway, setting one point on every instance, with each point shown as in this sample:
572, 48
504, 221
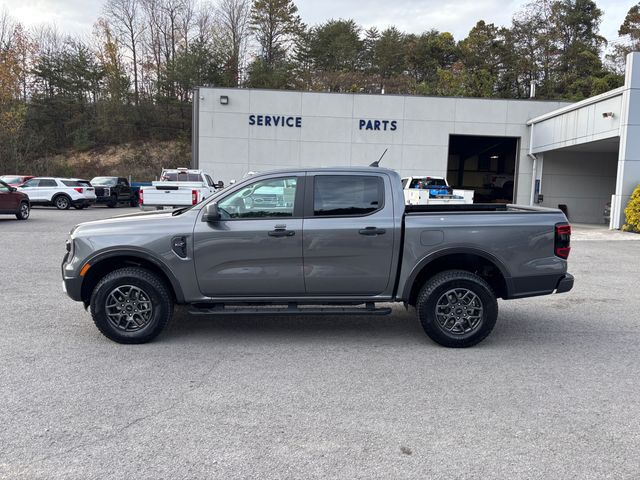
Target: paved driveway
554, 392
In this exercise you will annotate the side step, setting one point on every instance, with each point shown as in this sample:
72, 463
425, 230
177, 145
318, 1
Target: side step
291, 309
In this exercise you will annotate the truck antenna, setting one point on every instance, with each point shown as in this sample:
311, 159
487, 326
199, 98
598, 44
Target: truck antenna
377, 162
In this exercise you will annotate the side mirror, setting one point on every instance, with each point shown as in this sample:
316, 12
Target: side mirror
211, 213
13, 189
220, 184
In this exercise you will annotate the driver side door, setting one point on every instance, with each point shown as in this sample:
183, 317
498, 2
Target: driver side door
30, 187
255, 249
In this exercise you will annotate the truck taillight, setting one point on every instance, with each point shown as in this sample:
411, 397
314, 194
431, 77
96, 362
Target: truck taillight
194, 197
562, 243
78, 189
141, 196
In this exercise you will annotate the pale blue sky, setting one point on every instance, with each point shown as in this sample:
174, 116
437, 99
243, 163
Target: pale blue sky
455, 16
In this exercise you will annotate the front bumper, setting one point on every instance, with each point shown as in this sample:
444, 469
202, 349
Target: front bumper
565, 283
72, 286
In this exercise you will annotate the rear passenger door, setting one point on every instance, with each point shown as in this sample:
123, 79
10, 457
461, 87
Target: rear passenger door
47, 188
348, 234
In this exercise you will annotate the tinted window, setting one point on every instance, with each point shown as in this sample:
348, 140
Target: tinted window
347, 195
274, 197
47, 182
69, 183
4, 187
427, 182
209, 181
181, 177
123, 182
31, 183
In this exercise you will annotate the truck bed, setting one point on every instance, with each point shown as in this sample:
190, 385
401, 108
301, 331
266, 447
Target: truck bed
519, 240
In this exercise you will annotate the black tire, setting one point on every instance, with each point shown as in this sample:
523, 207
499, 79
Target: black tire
431, 300
23, 211
113, 201
156, 293
62, 202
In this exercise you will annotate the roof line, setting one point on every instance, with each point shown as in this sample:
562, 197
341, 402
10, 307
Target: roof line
574, 106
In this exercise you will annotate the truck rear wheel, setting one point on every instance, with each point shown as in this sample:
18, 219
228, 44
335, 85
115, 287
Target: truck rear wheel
131, 305
457, 308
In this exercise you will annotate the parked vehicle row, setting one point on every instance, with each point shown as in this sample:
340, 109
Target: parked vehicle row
64, 193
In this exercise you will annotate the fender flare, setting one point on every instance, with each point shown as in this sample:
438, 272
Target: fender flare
408, 285
142, 255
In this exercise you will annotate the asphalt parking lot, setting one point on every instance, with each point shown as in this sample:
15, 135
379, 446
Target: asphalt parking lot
554, 392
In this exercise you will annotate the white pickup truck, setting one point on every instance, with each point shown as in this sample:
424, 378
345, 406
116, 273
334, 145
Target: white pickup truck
433, 191
178, 187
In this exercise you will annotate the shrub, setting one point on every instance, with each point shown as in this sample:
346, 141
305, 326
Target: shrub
632, 212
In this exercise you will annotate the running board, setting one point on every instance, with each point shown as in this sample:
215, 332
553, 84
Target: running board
291, 309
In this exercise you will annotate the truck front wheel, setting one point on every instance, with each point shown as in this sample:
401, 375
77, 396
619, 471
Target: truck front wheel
131, 305
457, 308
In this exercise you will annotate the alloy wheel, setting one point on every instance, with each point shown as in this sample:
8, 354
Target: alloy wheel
459, 311
128, 308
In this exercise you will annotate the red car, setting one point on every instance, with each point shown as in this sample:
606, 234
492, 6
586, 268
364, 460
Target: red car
14, 202
15, 180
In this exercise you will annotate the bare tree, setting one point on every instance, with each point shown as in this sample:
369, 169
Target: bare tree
232, 29
127, 23
153, 36
186, 21
204, 23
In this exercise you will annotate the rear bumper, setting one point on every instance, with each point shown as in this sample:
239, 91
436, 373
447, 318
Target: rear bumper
84, 201
533, 286
565, 283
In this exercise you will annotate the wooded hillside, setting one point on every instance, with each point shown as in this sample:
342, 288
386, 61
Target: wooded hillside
131, 81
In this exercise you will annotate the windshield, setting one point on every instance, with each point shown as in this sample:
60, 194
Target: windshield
103, 181
11, 179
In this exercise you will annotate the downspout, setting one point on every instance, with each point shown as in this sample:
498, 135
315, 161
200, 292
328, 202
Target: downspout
534, 171
195, 129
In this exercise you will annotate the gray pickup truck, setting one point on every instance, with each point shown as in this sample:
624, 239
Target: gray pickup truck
334, 241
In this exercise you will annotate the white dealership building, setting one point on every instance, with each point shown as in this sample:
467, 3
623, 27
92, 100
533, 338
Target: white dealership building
579, 155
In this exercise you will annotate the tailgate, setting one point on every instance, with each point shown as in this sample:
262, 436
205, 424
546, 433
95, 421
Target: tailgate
159, 196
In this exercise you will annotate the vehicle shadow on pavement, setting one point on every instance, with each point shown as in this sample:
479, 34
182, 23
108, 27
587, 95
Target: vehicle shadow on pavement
400, 325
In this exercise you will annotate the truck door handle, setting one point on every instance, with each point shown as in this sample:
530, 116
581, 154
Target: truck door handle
371, 231
281, 232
